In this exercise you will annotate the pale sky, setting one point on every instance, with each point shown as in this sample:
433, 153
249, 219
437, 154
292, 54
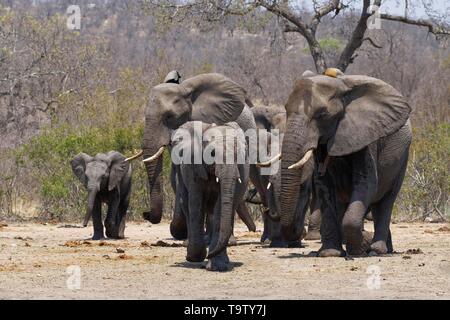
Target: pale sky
397, 7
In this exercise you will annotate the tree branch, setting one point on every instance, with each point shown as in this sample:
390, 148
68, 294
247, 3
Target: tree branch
372, 43
357, 38
432, 28
333, 5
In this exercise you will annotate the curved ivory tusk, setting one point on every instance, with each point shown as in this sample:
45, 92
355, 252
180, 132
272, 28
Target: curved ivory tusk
269, 185
270, 162
304, 160
155, 156
135, 156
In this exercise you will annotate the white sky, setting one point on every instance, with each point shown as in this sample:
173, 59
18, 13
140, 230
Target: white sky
397, 7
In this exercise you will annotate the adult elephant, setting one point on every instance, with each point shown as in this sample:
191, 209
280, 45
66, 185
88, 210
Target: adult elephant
354, 133
210, 98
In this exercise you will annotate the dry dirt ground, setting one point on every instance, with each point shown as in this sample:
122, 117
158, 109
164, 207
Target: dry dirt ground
36, 260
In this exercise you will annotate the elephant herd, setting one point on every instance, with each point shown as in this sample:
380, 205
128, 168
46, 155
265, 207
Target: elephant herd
339, 148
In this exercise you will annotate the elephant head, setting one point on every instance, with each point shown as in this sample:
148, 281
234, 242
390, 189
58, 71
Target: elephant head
101, 173
338, 113
211, 98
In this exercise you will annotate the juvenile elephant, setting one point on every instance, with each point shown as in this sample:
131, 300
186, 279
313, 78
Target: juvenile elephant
353, 133
210, 98
210, 190
107, 178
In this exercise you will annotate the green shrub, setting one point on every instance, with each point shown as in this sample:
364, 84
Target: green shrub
426, 189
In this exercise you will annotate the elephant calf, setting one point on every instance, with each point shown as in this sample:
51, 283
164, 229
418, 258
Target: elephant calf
209, 190
107, 178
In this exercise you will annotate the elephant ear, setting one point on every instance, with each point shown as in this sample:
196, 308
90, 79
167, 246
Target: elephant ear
78, 164
118, 168
215, 98
372, 110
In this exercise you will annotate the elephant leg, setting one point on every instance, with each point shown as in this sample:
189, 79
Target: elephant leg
178, 225
243, 213
111, 221
266, 233
314, 220
382, 212
330, 230
352, 226
219, 262
123, 207
196, 249
276, 238
382, 240
97, 221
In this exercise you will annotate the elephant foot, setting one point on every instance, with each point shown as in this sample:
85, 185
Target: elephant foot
378, 247
112, 234
178, 230
196, 255
264, 238
330, 252
218, 263
313, 235
232, 241
278, 243
295, 244
98, 237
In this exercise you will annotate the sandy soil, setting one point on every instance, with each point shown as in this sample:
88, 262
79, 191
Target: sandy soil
34, 259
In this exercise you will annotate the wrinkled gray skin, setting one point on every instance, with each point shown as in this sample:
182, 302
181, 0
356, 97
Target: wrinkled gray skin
107, 178
362, 124
210, 192
267, 119
210, 98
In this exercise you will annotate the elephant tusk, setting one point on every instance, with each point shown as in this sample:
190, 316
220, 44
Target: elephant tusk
239, 180
217, 179
269, 185
270, 162
304, 160
155, 156
135, 156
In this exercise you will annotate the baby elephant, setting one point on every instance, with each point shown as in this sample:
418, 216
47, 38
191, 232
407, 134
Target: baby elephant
107, 178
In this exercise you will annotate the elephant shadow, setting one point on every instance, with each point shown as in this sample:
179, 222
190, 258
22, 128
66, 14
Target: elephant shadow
314, 254
202, 265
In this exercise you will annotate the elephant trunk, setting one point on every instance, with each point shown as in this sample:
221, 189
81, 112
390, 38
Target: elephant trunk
92, 194
152, 146
292, 151
155, 188
227, 187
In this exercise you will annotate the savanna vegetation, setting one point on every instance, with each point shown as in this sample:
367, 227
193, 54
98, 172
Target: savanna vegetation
66, 91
